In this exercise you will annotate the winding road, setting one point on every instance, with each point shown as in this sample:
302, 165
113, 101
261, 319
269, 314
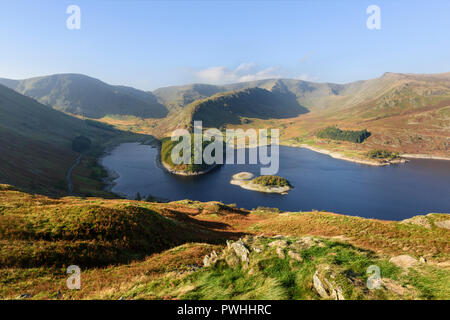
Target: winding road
69, 173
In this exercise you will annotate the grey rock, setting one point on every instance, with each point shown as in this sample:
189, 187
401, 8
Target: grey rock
257, 249
294, 255
210, 260
318, 285
306, 242
405, 261
241, 252
443, 224
280, 253
324, 282
418, 221
279, 243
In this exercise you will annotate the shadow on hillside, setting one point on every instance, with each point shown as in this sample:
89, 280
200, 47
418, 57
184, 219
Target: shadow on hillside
253, 103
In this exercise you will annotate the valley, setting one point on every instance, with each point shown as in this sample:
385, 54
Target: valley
405, 113
200, 237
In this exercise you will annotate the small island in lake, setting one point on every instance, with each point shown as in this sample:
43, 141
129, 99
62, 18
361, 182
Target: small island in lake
268, 184
189, 169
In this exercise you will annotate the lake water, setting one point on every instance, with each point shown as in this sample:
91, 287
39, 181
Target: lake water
320, 182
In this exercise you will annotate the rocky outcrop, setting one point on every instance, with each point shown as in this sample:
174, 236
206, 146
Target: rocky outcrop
418, 221
443, 224
236, 253
324, 281
211, 259
329, 279
295, 256
239, 250
405, 261
279, 244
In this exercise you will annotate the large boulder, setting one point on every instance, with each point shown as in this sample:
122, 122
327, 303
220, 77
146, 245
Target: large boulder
405, 261
443, 224
241, 252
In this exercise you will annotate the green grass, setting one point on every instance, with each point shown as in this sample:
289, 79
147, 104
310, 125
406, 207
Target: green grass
87, 234
432, 282
269, 277
141, 250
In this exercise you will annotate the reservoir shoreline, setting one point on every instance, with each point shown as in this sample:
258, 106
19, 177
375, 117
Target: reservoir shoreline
321, 182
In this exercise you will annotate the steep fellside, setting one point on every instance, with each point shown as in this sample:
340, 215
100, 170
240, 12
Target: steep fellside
233, 107
36, 143
89, 97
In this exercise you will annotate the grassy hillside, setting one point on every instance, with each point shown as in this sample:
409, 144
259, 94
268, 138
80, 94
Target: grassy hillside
36, 145
405, 113
232, 107
219, 110
145, 250
89, 97
308, 94
91, 233
177, 97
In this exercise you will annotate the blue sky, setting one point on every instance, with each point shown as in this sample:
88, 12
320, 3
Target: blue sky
151, 44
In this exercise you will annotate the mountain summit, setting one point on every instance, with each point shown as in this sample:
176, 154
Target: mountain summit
82, 95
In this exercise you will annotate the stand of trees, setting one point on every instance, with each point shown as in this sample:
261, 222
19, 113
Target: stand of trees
274, 181
81, 144
382, 154
166, 155
335, 133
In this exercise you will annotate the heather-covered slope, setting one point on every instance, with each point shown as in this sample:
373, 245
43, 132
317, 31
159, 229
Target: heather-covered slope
178, 250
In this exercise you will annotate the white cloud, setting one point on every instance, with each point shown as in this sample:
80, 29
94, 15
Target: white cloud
306, 56
245, 67
306, 77
247, 71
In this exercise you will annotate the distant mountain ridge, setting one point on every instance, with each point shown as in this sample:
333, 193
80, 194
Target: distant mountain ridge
312, 95
82, 95
406, 112
92, 98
